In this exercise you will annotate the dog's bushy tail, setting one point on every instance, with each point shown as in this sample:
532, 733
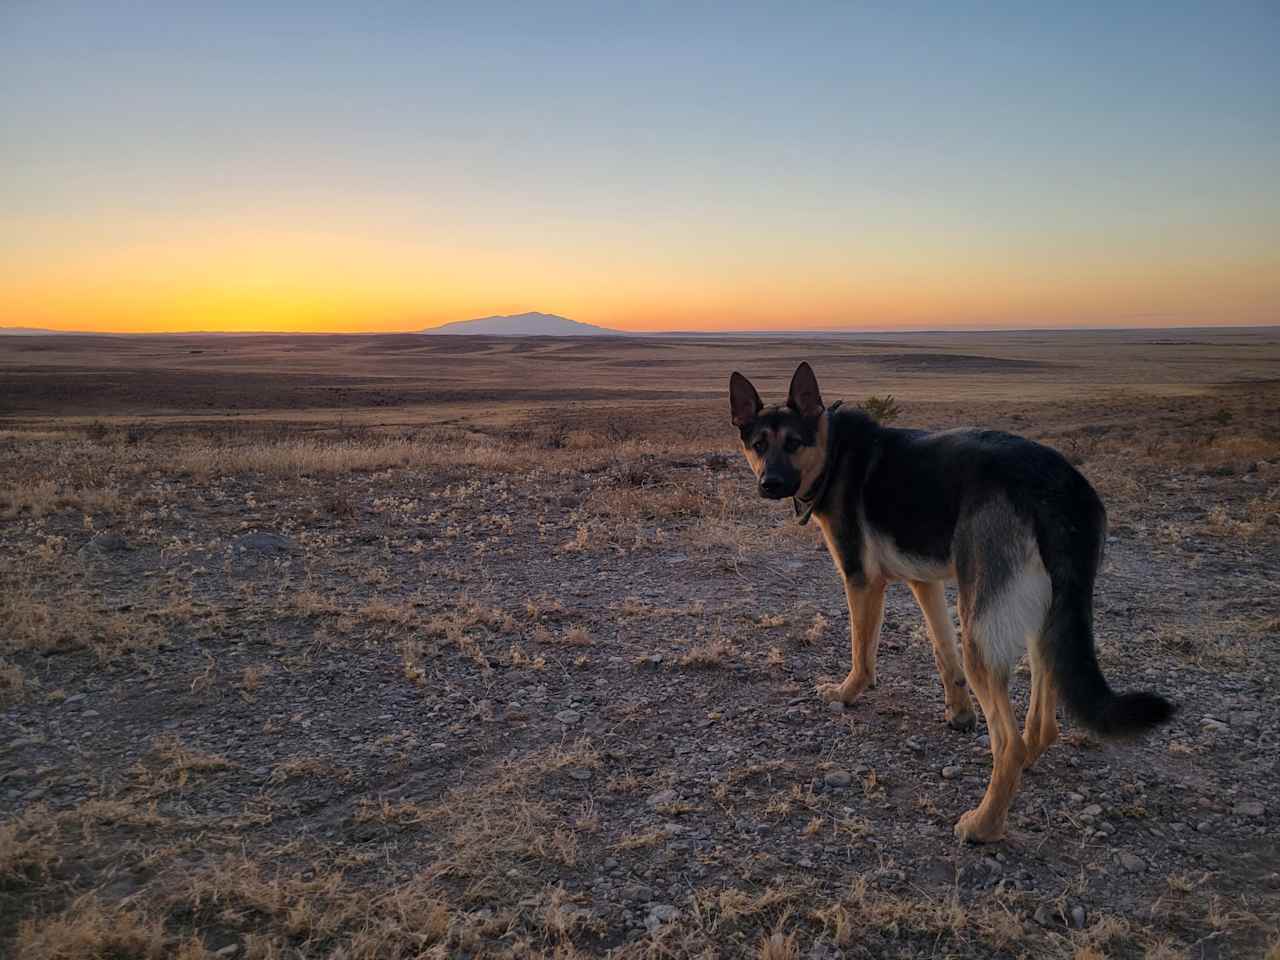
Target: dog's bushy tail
1073, 664
1068, 650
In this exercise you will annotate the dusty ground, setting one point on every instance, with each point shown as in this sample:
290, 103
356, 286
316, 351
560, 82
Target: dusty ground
390, 647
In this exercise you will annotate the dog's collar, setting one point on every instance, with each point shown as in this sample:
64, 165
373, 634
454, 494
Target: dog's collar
805, 504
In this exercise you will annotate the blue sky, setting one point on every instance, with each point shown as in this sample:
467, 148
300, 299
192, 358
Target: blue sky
646, 165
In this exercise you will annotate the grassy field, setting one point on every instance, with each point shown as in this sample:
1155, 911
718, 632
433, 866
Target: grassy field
381, 647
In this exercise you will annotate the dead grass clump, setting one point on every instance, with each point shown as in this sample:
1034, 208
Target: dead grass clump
667, 502
778, 946
545, 607
13, 683
707, 654
816, 632
26, 850
170, 765
91, 930
74, 621
378, 610
881, 409
39, 498
479, 832
572, 637
296, 767
310, 457
642, 839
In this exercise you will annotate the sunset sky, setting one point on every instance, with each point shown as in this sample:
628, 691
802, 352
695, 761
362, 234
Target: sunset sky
392, 166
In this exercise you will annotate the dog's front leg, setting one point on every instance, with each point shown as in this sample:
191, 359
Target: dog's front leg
866, 613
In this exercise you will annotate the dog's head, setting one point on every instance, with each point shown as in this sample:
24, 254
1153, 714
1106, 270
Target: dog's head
785, 445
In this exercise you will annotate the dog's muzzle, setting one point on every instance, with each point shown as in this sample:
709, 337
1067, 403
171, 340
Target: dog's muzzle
776, 488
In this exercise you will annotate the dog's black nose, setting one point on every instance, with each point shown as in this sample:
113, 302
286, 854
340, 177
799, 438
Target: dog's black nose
772, 486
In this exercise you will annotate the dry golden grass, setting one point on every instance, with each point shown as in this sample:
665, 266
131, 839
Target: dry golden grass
91, 930
481, 858
296, 767
73, 620
39, 498
170, 765
13, 683
708, 654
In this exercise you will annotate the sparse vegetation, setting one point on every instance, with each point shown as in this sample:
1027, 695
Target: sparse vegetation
881, 409
534, 679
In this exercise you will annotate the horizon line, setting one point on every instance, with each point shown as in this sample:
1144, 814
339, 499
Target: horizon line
615, 332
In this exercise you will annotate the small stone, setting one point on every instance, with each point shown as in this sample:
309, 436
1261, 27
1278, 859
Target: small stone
950, 773
1077, 917
1044, 915
837, 778
230, 950
1132, 863
103, 543
836, 706
1247, 719
578, 773
1249, 808
1204, 826
1093, 810
636, 892
568, 717
659, 914
662, 798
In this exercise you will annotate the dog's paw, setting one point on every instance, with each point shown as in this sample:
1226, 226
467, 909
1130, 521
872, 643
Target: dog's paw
964, 720
975, 827
845, 692
832, 692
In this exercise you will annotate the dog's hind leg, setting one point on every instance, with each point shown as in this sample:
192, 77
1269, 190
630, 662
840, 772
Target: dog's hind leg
866, 614
932, 599
988, 821
1041, 728
1004, 597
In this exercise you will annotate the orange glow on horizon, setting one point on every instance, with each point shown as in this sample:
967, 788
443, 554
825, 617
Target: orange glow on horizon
232, 277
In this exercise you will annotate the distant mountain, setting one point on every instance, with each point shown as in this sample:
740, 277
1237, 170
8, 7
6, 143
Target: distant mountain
29, 331
524, 325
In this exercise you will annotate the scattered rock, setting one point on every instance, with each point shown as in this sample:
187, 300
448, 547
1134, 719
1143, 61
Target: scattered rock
568, 717
1249, 808
950, 773
1077, 917
103, 544
659, 914
837, 778
252, 547
1132, 863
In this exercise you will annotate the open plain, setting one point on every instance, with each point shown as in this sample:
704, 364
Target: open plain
399, 646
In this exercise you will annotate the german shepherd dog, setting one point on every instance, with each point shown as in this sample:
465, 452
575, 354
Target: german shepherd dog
1016, 527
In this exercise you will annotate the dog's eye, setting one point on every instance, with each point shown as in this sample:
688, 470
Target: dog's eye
792, 445
761, 445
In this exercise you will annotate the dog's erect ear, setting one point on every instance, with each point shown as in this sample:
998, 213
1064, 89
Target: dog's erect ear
803, 397
744, 402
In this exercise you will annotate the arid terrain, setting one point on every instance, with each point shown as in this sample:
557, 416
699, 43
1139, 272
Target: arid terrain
404, 646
